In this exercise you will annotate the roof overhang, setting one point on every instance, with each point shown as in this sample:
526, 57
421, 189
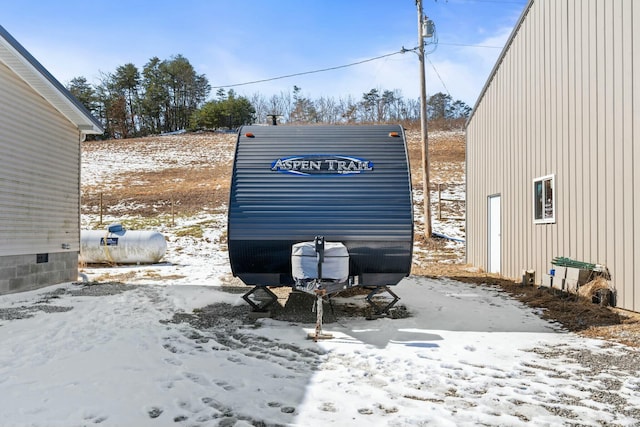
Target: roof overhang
21, 62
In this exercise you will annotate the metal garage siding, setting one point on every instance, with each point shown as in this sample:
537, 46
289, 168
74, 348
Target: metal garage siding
572, 68
39, 172
632, 156
369, 206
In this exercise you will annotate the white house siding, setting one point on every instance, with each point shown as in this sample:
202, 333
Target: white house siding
563, 99
39, 188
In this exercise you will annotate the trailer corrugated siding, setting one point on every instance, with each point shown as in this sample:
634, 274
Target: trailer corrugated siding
370, 212
563, 99
39, 173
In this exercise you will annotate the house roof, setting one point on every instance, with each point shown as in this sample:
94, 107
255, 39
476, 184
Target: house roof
21, 62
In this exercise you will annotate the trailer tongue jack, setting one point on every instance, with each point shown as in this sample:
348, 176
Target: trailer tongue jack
319, 334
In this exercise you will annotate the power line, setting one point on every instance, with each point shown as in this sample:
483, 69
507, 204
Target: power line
438, 74
403, 50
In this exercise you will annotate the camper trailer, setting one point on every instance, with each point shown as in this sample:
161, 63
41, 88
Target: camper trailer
320, 208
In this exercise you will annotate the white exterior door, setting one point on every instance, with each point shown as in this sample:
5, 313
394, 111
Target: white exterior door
494, 235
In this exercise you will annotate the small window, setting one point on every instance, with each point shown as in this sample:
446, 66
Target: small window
544, 202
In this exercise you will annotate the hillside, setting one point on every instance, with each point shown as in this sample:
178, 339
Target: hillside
182, 175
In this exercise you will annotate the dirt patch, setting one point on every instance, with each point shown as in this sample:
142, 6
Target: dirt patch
446, 158
190, 174
179, 191
445, 147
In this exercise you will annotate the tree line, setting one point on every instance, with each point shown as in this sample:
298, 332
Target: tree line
169, 95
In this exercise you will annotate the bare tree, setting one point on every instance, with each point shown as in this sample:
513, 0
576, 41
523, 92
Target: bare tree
261, 107
328, 111
348, 110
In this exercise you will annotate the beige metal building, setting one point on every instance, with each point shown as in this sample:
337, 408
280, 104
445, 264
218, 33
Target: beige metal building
553, 143
41, 128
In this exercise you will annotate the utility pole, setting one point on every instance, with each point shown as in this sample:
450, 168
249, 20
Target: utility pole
423, 124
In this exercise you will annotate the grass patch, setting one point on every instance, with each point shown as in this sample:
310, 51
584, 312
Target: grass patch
134, 223
194, 231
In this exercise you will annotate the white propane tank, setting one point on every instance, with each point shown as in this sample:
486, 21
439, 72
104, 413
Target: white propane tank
117, 245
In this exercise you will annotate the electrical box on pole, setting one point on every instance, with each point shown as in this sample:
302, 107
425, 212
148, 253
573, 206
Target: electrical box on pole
428, 28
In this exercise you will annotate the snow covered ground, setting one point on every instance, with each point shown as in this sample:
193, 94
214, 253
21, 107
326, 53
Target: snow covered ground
160, 354
173, 344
